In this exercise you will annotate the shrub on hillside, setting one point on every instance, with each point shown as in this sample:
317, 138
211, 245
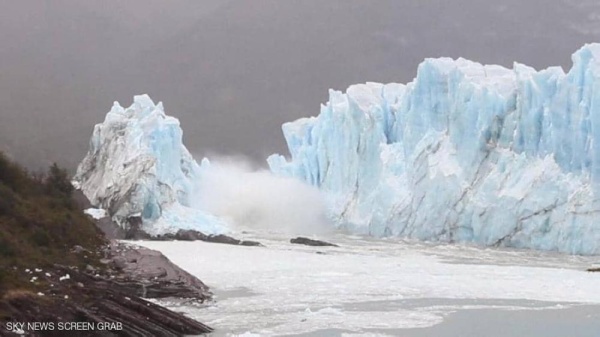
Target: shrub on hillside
57, 182
39, 222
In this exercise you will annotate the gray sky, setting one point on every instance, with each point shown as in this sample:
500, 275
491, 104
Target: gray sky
234, 71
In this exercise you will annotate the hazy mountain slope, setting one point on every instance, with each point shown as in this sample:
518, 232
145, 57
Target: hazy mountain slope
242, 68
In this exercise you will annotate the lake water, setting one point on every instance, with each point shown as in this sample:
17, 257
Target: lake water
378, 287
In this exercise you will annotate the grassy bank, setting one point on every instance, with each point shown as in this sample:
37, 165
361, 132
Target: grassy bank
40, 224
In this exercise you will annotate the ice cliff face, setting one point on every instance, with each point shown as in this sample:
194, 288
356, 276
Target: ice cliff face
465, 152
137, 165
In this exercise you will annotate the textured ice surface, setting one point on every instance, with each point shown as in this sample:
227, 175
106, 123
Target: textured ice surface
369, 284
138, 165
465, 152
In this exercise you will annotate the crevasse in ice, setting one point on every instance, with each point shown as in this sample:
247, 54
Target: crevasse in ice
465, 152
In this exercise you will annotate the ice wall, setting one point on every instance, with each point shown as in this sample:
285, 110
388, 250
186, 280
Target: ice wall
465, 152
137, 165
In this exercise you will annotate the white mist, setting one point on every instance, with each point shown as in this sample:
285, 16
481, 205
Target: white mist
251, 198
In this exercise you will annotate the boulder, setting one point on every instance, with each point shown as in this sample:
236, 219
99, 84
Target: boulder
190, 235
134, 230
310, 242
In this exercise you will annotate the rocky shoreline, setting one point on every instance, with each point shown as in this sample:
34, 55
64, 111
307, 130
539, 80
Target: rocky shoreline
148, 273
108, 294
113, 294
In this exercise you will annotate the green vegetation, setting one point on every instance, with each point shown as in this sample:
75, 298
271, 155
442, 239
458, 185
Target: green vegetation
40, 224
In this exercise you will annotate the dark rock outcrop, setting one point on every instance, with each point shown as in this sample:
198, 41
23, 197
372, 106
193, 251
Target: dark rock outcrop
81, 201
134, 229
115, 291
148, 273
230, 241
310, 242
192, 235
98, 300
110, 229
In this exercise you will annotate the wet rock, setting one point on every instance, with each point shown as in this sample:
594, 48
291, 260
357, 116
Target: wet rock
148, 273
110, 228
136, 233
230, 241
134, 230
100, 301
190, 235
310, 242
223, 239
251, 243
181, 235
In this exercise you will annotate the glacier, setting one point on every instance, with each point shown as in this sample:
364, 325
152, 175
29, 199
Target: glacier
464, 153
137, 165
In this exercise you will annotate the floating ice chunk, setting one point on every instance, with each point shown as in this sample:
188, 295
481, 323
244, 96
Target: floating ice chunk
96, 213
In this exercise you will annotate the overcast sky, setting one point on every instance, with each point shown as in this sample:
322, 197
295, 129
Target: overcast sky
234, 71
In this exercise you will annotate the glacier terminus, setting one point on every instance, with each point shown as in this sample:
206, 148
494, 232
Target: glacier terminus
137, 166
463, 153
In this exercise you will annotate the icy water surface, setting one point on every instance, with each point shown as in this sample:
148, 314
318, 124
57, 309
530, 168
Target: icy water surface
369, 287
